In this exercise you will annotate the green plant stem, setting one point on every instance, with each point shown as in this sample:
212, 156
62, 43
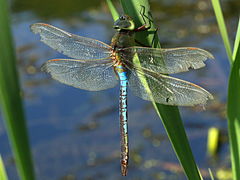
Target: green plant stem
233, 105
222, 28
11, 101
3, 174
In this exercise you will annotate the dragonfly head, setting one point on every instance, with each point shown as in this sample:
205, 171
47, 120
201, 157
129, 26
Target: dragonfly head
124, 22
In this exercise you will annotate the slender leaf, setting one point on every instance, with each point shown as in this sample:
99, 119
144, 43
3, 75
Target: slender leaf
211, 174
10, 99
233, 103
222, 28
233, 109
237, 41
3, 174
113, 10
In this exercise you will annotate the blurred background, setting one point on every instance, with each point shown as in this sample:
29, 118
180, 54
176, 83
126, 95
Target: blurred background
74, 133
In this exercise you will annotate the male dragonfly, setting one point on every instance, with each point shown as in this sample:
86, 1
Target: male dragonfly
97, 66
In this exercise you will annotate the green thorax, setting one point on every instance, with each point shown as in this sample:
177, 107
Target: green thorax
123, 39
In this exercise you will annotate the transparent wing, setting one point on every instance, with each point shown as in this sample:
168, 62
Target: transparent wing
167, 90
71, 45
93, 75
168, 61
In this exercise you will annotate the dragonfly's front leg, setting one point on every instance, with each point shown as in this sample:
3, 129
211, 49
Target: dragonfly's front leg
147, 26
144, 28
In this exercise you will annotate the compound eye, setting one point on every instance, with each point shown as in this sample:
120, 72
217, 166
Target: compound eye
122, 17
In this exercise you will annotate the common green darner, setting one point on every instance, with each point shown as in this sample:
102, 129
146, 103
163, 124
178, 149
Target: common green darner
97, 66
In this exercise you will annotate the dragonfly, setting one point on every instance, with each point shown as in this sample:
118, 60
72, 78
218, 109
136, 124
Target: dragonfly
98, 66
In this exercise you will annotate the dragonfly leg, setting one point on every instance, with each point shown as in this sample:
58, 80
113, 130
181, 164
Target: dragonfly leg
146, 26
145, 17
154, 37
152, 43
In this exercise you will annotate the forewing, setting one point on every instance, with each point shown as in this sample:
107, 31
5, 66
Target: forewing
71, 45
167, 90
94, 75
168, 61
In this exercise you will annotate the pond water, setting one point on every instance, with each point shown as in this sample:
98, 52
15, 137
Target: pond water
74, 133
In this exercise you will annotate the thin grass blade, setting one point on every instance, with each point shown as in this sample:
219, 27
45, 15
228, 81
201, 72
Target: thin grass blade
3, 174
113, 10
233, 105
237, 41
11, 101
222, 27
